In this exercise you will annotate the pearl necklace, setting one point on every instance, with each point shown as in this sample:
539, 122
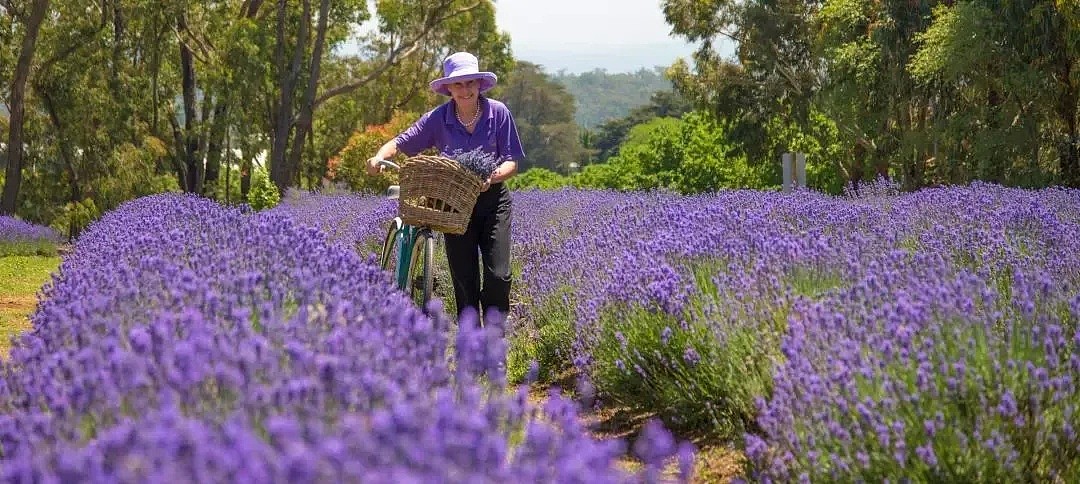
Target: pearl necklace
475, 117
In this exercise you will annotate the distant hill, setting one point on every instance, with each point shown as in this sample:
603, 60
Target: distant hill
601, 96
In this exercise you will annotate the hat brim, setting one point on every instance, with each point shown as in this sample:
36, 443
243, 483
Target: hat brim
487, 81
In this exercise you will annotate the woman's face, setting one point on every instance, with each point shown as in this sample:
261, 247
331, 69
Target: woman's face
464, 91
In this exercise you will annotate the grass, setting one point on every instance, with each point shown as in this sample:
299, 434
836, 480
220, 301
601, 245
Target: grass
20, 279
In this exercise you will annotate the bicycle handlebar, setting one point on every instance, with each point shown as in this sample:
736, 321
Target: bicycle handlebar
388, 163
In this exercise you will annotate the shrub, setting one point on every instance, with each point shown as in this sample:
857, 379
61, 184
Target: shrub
264, 194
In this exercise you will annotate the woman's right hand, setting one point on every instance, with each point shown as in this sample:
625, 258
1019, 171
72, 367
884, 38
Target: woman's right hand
373, 167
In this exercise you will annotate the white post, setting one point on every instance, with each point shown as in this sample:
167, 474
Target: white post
800, 170
786, 161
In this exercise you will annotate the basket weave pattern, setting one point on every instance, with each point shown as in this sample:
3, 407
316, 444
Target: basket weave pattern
437, 192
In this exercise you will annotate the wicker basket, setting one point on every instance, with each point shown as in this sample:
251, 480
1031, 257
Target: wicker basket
437, 192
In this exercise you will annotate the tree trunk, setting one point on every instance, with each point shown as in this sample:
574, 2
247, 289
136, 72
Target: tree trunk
67, 155
217, 136
280, 171
204, 139
307, 104
1069, 152
1069, 148
993, 166
245, 177
191, 158
228, 171
220, 126
858, 166
17, 108
250, 8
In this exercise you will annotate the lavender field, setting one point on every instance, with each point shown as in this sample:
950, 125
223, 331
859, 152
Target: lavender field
930, 336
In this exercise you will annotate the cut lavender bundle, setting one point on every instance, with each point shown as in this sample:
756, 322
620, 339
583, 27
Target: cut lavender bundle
478, 161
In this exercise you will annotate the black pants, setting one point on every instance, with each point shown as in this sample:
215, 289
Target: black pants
487, 240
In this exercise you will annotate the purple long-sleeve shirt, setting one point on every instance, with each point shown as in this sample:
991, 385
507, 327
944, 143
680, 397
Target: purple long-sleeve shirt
495, 132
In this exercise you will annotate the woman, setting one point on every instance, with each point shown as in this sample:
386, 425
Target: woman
466, 122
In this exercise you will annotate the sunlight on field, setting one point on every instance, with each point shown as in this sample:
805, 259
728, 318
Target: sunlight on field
20, 279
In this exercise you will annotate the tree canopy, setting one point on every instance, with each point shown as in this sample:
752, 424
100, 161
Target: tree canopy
129, 96
929, 92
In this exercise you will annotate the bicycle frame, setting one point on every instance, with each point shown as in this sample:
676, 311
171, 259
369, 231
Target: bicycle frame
405, 237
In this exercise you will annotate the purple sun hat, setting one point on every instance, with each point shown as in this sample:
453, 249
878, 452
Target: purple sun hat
460, 67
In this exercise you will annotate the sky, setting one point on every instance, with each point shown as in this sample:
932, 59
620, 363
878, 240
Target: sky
582, 35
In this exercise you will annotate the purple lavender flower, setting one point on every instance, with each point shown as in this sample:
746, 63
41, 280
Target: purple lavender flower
477, 161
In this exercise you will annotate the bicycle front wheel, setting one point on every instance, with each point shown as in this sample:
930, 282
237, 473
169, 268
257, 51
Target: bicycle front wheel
421, 276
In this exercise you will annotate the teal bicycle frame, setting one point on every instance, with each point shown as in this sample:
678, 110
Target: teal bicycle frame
409, 262
406, 236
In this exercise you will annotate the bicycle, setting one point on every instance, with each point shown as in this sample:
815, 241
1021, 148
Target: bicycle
414, 255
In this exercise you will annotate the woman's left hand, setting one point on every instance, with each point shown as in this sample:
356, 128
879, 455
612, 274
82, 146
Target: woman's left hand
486, 185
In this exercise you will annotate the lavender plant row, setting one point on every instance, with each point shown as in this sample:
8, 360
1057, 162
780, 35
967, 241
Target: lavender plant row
19, 236
184, 341
346, 218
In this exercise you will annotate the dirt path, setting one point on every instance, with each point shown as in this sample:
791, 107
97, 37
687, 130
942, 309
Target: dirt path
715, 463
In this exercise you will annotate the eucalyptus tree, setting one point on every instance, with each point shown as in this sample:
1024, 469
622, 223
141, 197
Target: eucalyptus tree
403, 87
775, 74
96, 85
28, 19
932, 91
870, 94
1013, 100
406, 26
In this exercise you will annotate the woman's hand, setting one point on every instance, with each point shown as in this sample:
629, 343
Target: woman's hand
486, 185
373, 167
386, 152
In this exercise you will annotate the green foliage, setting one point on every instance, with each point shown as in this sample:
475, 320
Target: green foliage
928, 92
83, 121
618, 176
544, 114
819, 139
688, 155
601, 96
606, 138
133, 174
537, 178
652, 362
76, 216
35, 248
955, 43
348, 165
548, 344
264, 194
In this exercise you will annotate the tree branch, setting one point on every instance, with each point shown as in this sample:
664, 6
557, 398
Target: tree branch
197, 50
397, 55
81, 39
